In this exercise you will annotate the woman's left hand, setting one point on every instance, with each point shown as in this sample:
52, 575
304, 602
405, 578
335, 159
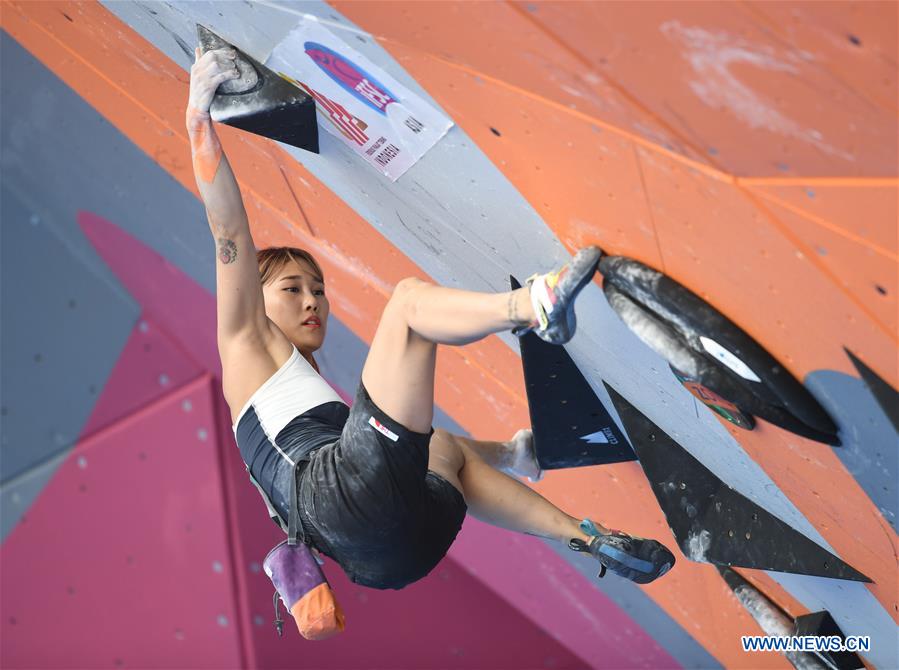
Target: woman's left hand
207, 73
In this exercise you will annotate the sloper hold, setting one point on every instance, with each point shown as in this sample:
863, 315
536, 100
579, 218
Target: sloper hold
698, 339
571, 426
887, 397
262, 102
712, 522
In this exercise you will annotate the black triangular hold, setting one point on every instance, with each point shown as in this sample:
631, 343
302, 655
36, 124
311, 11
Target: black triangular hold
571, 426
261, 101
822, 624
887, 397
712, 522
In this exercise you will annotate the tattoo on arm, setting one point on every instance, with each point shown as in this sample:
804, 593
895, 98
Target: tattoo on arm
513, 308
227, 250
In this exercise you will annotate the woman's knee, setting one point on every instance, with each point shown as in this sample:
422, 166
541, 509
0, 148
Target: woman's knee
405, 286
446, 448
445, 457
403, 297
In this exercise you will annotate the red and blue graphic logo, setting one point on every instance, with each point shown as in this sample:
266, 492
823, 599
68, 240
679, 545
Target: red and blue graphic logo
351, 78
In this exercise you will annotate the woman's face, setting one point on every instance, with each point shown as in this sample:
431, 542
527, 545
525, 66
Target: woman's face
294, 300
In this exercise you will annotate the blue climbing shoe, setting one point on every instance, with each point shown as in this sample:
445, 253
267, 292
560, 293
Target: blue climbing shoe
634, 558
553, 294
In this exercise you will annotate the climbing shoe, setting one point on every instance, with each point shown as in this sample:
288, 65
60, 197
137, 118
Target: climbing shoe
553, 294
634, 558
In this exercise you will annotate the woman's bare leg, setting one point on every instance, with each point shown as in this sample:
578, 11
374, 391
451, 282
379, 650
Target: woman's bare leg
399, 377
399, 370
515, 457
501, 500
494, 454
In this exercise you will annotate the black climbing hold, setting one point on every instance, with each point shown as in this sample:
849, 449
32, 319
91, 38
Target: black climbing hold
711, 521
262, 102
495, 131
700, 341
855, 40
668, 343
887, 397
822, 623
571, 426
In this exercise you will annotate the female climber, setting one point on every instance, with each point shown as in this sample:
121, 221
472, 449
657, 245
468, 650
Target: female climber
379, 491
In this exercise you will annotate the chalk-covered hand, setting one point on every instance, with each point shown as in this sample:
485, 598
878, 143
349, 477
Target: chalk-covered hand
207, 72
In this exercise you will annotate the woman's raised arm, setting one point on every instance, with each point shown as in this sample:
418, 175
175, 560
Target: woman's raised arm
240, 304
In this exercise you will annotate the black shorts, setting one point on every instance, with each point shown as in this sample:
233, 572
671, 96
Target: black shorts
369, 502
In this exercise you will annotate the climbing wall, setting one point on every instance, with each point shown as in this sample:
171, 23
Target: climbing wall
747, 152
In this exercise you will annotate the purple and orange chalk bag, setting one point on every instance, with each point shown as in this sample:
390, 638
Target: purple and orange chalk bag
302, 587
298, 578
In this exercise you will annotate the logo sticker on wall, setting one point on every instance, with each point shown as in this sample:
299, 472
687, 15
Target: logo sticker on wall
356, 81
384, 123
604, 436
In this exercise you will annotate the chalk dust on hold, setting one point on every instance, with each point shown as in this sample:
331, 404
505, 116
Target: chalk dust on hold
697, 545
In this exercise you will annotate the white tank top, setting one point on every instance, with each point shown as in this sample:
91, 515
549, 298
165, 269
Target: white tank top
295, 388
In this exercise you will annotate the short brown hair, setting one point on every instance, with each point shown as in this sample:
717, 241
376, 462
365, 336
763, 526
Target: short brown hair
272, 259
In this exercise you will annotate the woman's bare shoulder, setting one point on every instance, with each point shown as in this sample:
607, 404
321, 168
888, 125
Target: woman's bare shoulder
248, 361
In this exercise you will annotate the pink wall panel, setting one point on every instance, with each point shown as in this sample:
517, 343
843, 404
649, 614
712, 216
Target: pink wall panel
123, 559
149, 367
179, 304
549, 591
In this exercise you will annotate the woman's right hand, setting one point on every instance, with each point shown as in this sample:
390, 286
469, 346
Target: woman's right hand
207, 72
